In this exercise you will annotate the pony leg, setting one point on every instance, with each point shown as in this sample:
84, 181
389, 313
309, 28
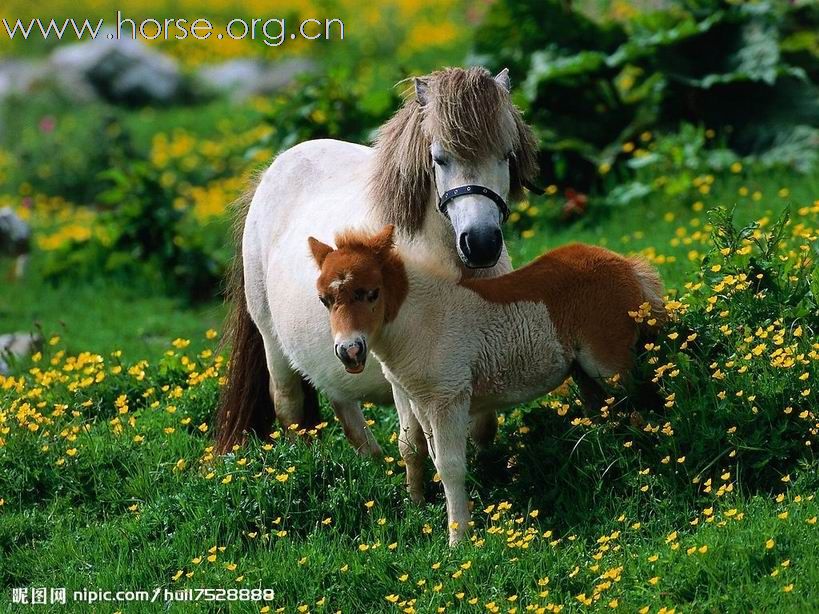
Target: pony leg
483, 427
449, 425
412, 445
294, 399
355, 428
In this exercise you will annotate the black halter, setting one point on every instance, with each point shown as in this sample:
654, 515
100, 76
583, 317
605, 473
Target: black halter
477, 190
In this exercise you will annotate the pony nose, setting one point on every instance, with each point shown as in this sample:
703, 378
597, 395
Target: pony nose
481, 247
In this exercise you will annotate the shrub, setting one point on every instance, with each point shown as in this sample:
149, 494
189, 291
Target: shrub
590, 87
734, 371
141, 234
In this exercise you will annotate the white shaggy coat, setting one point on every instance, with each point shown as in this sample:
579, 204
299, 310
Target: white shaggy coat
319, 188
450, 356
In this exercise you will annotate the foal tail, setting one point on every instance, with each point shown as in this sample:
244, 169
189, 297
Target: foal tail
245, 404
651, 286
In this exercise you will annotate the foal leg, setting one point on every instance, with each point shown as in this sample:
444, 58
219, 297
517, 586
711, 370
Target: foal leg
447, 444
591, 392
412, 445
355, 428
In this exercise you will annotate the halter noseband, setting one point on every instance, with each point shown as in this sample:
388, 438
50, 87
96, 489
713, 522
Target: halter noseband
473, 190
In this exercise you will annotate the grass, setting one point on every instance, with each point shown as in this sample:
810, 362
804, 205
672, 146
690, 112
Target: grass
103, 315
122, 492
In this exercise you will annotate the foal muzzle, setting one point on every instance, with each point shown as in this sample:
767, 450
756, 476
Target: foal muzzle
352, 354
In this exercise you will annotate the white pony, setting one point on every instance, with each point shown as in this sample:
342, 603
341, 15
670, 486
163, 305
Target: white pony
441, 170
454, 348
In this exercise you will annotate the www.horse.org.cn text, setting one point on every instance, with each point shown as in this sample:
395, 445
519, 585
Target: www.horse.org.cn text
270, 31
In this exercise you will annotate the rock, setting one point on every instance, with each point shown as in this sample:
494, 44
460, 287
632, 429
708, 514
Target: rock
16, 346
243, 78
21, 77
121, 71
15, 234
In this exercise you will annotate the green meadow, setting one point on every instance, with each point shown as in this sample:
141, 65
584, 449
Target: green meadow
684, 133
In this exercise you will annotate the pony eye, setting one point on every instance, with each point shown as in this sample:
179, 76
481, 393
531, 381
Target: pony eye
359, 294
372, 295
325, 301
439, 161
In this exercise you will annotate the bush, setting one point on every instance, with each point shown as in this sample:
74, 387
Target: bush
734, 371
142, 232
590, 87
333, 105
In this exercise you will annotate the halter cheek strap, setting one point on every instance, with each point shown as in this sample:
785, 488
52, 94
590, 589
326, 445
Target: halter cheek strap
473, 190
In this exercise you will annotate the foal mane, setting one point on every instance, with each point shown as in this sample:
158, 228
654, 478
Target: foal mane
382, 247
472, 116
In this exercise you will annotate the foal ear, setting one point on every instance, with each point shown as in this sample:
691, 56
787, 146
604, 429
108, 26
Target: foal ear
421, 91
384, 240
319, 250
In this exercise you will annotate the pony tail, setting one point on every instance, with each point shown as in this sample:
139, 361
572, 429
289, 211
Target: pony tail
244, 404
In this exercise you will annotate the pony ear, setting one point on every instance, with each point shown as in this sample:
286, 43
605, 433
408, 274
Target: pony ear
503, 79
384, 240
421, 91
319, 250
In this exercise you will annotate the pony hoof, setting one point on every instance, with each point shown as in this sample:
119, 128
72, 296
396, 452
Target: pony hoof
373, 450
417, 497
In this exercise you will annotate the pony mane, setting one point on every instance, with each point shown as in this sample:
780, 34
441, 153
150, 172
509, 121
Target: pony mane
472, 116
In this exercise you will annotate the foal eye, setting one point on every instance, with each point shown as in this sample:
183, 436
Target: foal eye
325, 301
439, 161
359, 294
372, 295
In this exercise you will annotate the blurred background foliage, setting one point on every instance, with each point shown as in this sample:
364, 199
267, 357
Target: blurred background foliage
629, 100
591, 87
